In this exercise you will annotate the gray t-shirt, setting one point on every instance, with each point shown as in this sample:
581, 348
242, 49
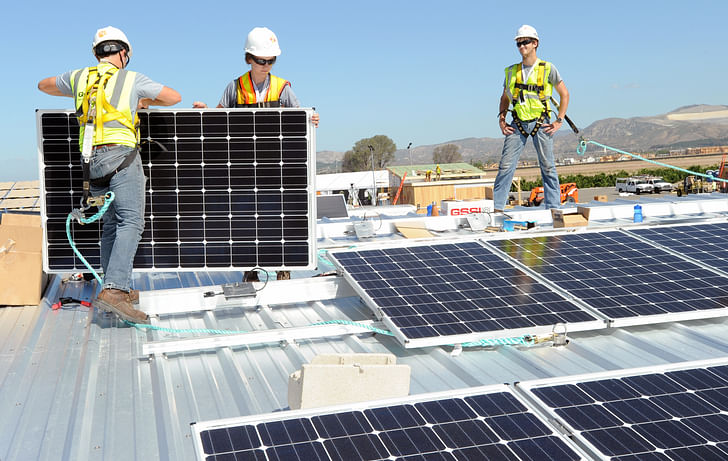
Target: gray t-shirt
143, 87
230, 95
554, 76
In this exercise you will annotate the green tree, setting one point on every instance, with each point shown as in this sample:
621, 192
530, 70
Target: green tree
448, 153
359, 158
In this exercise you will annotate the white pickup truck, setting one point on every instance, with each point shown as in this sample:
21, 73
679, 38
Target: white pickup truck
635, 185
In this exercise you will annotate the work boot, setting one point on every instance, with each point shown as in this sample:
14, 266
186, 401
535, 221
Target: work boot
283, 275
134, 296
118, 302
251, 276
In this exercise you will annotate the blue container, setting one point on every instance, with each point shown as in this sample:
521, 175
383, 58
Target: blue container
429, 209
637, 213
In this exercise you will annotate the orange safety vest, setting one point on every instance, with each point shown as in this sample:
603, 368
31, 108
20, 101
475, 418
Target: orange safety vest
246, 91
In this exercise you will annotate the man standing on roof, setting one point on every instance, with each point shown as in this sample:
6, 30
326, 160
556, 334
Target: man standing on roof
259, 88
114, 165
528, 87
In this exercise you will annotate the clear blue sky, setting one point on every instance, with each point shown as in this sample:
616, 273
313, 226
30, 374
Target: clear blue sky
420, 71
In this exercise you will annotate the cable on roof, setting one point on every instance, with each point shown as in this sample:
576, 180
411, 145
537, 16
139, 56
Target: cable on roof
581, 149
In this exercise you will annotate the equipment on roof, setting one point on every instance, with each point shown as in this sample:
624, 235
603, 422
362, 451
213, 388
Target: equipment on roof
526, 31
262, 41
569, 193
110, 33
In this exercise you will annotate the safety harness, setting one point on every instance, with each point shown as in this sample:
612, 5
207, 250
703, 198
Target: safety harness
93, 111
518, 97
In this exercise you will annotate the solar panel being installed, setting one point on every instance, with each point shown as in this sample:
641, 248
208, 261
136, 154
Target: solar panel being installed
680, 414
226, 188
484, 423
453, 293
629, 281
706, 243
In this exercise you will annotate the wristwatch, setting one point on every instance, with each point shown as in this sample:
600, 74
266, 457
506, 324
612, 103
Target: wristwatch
559, 119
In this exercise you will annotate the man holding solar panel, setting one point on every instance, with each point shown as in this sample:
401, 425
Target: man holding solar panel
259, 88
106, 98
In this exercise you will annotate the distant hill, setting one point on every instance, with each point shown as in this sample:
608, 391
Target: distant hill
688, 126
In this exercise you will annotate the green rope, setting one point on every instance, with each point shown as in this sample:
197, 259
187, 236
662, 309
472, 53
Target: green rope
184, 330
581, 149
109, 197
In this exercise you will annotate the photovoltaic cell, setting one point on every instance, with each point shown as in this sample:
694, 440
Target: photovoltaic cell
442, 293
624, 278
492, 425
707, 243
225, 189
675, 415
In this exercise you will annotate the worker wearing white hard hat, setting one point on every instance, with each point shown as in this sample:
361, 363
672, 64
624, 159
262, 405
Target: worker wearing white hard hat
106, 97
258, 87
527, 90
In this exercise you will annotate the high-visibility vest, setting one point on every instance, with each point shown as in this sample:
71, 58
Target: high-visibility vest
246, 91
529, 99
112, 115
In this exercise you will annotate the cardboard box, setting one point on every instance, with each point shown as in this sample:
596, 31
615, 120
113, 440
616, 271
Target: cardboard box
21, 265
489, 192
569, 218
600, 198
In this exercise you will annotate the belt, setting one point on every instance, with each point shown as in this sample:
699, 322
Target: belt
97, 146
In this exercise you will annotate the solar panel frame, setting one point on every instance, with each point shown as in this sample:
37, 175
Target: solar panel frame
635, 398
196, 232
479, 419
386, 303
602, 285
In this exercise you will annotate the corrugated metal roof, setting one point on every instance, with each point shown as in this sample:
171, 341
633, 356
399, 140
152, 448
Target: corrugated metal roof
76, 384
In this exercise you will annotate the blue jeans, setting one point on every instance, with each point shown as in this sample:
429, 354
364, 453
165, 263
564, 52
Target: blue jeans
512, 148
123, 222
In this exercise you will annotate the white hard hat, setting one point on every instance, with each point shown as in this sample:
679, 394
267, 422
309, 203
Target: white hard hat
262, 41
526, 31
109, 33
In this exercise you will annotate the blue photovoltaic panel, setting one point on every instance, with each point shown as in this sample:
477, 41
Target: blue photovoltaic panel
707, 243
677, 415
621, 276
485, 426
440, 291
226, 189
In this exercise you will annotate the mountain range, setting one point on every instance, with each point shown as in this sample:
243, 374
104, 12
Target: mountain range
687, 126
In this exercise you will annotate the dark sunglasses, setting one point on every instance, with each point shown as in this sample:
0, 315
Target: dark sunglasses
524, 42
263, 62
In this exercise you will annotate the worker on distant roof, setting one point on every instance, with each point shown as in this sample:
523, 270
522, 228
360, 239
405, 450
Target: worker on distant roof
259, 88
528, 86
114, 163
438, 172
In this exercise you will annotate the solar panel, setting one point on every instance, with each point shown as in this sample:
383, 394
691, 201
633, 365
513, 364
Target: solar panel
627, 280
455, 292
706, 243
331, 206
226, 189
681, 414
482, 424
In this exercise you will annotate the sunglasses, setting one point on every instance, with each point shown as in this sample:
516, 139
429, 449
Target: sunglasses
524, 42
263, 62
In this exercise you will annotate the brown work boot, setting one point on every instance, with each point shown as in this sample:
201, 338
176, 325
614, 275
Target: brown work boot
118, 302
283, 275
251, 276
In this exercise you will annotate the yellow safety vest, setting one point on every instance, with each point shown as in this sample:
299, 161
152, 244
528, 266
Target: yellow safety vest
246, 90
114, 123
529, 99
